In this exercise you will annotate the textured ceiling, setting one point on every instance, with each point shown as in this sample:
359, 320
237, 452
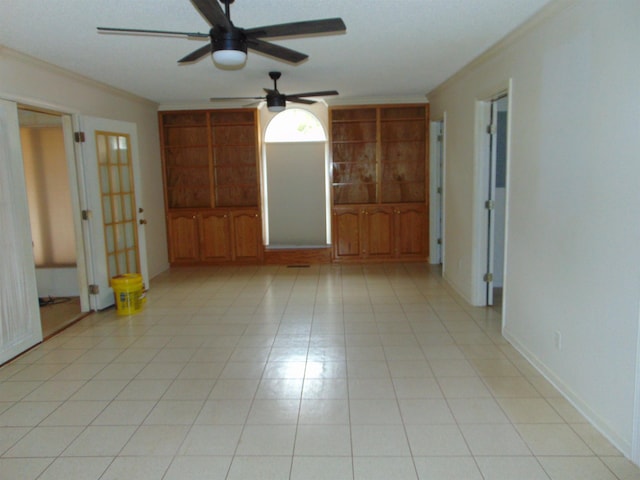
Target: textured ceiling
391, 49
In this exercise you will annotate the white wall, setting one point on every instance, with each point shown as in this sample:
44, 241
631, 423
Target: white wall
297, 194
30, 81
573, 235
49, 194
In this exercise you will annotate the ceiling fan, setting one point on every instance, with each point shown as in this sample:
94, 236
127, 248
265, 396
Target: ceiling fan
276, 101
229, 44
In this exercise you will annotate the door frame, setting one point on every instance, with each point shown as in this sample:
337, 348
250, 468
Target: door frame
70, 124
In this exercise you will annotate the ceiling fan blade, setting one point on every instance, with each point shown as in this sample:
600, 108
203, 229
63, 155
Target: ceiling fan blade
309, 27
299, 100
220, 99
212, 11
151, 32
196, 54
326, 93
277, 51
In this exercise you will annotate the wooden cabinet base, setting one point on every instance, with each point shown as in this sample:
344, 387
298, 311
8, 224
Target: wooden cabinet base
380, 233
297, 256
215, 236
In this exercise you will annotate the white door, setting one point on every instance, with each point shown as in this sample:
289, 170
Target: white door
20, 326
115, 217
435, 192
492, 131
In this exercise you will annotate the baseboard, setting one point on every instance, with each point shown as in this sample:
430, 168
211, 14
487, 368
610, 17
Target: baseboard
574, 399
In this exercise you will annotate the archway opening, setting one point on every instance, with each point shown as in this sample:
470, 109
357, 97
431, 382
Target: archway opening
295, 181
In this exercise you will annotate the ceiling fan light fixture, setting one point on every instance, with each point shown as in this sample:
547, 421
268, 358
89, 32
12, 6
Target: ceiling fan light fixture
276, 102
229, 58
229, 48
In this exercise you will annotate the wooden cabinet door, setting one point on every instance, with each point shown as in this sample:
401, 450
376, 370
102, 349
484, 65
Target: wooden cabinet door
183, 237
215, 237
411, 231
346, 233
246, 234
377, 225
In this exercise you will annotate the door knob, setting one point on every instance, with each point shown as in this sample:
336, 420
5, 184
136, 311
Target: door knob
143, 222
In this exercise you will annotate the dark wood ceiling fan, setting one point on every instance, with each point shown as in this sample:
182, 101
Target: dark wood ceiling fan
277, 101
229, 44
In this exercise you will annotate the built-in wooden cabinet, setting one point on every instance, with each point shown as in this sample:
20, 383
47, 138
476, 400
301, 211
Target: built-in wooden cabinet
212, 193
379, 182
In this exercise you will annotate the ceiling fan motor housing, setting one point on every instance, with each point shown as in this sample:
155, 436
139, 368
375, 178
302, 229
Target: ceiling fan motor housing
222, 39
276, 99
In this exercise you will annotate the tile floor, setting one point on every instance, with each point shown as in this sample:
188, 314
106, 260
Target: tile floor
328, 372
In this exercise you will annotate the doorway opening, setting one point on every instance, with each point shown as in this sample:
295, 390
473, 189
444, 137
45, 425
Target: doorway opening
494, 167
48, 162
436, 193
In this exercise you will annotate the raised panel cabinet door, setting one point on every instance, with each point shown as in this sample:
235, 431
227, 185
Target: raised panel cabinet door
246, 235
378, 225
183, 237
346, 233
215, 237
411, 236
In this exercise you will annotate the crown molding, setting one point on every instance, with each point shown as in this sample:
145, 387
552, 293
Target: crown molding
542, 16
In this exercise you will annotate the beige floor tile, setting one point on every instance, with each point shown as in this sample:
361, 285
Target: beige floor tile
75, 413
140, 468
477, 410
155, 440
436, 440
333, 388
44, 442
267, 440
489, 439
274, 412
510, 468
324, 411
24, 468
124, 412
463, 387
622, 468
576, 468
211, 440
100, 441
372, 468
450, 468
10, 435
262, 467
425, 411
417, 387
198, 468
553, 439
25, 414
379, 440
529, 410
323, 440
321, 468
374, 411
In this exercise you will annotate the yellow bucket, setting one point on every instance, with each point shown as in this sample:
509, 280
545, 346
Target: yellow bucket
129, 293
